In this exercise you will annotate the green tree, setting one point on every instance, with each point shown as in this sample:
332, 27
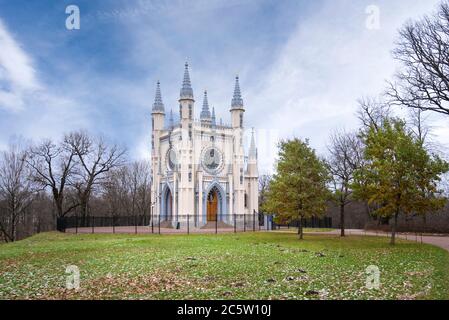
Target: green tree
298, 189
400, 176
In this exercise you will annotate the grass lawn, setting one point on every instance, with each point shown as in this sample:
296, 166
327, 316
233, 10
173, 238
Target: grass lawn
228, 266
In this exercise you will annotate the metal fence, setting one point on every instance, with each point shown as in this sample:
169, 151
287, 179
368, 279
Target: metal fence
314, 222
162, 224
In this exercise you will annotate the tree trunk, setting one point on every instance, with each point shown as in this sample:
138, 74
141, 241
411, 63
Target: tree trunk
393, 229
300, 230
13, 227
342, 219
59, 207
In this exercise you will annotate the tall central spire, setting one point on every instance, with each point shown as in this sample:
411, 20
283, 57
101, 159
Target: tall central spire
205, 112
158, 105
237, 101
186, 90
252, 147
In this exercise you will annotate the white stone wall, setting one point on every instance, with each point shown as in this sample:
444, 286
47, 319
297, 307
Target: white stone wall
189, 154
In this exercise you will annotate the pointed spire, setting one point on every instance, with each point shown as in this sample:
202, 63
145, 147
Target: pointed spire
237, 101
252, 148
171, 119
205, 112
158, 105
186, 90
214, 123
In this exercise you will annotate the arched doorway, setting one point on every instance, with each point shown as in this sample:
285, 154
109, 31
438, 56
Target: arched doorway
212, 205
168, 206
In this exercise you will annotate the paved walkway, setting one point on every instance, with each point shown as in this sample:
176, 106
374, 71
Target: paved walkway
439, 241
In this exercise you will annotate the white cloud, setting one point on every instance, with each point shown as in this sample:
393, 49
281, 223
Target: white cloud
330, 61
308, 89
17, 75
28, 107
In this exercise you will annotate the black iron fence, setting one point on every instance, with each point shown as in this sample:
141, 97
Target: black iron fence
314, 222
162, 224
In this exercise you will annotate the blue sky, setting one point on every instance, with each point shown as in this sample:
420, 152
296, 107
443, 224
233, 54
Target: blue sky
302, 65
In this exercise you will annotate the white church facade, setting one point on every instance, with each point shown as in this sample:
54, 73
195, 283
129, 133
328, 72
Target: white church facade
200, 170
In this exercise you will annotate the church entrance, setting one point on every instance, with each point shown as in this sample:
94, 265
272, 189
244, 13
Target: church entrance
167, 215
212, 205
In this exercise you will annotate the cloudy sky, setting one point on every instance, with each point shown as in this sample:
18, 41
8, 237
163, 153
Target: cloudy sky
302, 65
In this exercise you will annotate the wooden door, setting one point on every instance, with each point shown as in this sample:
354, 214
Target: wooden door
212, 206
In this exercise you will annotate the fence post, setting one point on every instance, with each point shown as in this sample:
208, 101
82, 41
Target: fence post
235, 223
188, 225
152, 222
113, 223
254, 220
244, 222
159, 223
76, 223
93, 222
216, 223
135, 222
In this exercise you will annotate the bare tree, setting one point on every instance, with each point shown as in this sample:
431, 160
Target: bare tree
16, 190
115, 187
445, 184
53, 167
127, 189
264, 185
140, 173
423, 51
417, 124
346, 155
95, 158
372, 112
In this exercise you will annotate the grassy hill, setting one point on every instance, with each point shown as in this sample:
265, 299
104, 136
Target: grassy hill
227, 266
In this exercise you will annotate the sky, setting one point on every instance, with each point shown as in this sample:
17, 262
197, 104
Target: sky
302, 65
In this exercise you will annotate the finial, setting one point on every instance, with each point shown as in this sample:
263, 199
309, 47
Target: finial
214, 123
171, 119
186, 89
237, 101
158, 105
205, 112
252, 148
